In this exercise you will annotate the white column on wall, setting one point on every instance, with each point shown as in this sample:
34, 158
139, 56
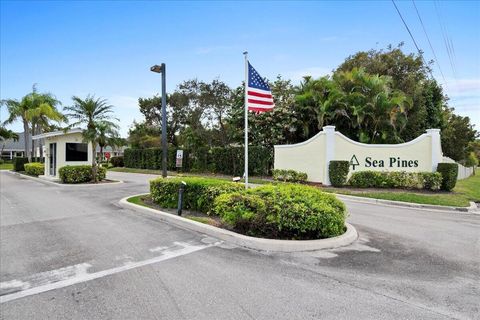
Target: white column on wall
436, 147
329, 150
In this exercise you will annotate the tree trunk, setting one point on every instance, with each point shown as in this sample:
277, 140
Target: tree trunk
25, 136
33, 143
94, 163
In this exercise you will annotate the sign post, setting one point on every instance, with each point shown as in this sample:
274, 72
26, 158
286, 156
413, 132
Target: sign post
179, 159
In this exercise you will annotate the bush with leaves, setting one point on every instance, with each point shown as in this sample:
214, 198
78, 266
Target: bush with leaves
395, 179
19, 163
80, 174
289, 175
338, 171
199, 193
34, 168
283, 211
449, 173
117, 161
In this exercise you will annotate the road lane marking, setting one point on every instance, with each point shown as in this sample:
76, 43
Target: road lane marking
80, 277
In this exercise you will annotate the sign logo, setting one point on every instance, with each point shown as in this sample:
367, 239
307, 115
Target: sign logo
179, 159
354, 162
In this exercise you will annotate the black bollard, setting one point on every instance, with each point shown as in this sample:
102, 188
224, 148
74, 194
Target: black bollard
181, 189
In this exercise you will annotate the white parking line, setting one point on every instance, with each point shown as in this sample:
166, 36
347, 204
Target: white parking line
84, 277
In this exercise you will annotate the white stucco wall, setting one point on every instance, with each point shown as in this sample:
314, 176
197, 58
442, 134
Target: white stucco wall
308, 157
313, 155
61, 141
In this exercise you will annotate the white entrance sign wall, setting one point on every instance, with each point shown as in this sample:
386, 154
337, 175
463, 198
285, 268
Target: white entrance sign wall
313, 156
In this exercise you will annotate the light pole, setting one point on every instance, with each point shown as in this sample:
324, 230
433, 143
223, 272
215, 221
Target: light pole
161, 69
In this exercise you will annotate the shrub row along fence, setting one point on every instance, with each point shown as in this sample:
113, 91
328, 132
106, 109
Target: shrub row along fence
228, 160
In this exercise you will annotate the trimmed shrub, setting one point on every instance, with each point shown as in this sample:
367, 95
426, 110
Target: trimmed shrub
338, 171
432, 180
80, 174
395, 179
199, 192
117, 161
284, 211
449, 173
289, 175
19, 163
34, 168
224, 160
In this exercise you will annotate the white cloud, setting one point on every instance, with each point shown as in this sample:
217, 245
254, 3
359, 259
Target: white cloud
314, 72
123, 102
464, 96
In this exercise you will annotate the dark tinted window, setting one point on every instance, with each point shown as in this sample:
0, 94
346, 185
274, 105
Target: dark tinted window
76, 152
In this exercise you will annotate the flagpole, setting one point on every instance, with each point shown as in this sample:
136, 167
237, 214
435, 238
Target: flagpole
246, 119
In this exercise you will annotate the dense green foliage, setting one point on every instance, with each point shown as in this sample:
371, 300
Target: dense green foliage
449, 173
289, 175
19, 163
36, 111
117, 161
283, 211
96, 115
224, 160
34, 168
80, 174
338, 172
396, 179
379, 96
199, 193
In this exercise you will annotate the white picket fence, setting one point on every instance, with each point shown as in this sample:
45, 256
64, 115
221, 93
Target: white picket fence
463, 172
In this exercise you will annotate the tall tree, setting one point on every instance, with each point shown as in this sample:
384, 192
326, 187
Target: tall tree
91, 112
107, 135
34, 109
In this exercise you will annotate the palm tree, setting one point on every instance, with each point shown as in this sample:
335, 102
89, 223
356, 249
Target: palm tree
91, 112
18, 110
41, 111
32, 109
107, 135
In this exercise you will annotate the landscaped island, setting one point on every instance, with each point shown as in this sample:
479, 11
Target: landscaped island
276, 211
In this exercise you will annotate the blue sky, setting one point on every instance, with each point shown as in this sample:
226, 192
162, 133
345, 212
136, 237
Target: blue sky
106, 48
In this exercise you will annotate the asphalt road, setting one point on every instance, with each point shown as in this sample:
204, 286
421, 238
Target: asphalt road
73, 253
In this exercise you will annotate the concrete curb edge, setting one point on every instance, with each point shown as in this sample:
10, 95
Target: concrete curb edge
52, 183
471, 209
261, 244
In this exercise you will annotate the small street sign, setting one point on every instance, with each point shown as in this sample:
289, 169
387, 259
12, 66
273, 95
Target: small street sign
179, 159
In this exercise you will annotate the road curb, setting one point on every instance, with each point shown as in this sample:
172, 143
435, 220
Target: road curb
52, 183
245, 241
471, 209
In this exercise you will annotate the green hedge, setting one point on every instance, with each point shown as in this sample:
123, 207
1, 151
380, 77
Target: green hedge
34, 168
117, 161
228, 160
289, 175
449, 173
338, 172
199, 193
283, 211
19, 163
396, 179
80, 174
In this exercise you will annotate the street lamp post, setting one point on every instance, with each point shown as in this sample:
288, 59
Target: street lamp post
161, 69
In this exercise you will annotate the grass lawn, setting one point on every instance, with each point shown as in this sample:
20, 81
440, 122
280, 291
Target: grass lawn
6, 166
255, 180
465, 191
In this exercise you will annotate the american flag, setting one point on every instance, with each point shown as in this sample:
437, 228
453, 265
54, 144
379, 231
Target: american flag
259, 95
